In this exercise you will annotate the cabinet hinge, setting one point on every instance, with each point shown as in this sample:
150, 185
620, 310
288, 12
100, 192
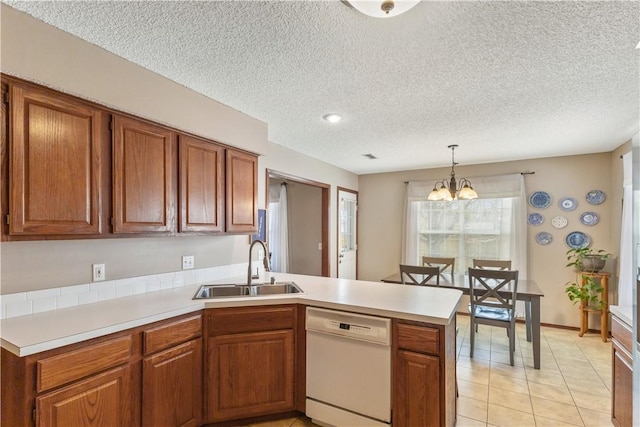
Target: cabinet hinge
33, 414
111, 124
111, 221
7, 219
5, 97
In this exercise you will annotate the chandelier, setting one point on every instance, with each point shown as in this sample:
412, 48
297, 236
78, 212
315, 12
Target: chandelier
443, 190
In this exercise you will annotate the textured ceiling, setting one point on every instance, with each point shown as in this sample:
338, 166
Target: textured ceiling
504, 80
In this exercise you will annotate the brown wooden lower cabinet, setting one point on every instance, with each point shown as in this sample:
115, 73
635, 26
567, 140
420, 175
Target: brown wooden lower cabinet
101, 400
251, 362
253, 366
622, 375
172, 386
424, 374
149, 375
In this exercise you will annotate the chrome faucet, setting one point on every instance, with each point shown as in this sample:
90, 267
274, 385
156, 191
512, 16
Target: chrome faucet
265, 260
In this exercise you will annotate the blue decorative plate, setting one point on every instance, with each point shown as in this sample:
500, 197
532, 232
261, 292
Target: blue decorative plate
540, 199
595, 197
577, 239
535, 219
544, 238
589, 218
567, 203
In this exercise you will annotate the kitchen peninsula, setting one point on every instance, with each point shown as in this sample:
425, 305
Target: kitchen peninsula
53, 361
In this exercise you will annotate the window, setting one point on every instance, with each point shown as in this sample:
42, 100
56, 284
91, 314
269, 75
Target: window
490, 227
468, 229
347, 225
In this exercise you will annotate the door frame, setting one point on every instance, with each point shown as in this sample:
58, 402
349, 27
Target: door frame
345, 190
325, 209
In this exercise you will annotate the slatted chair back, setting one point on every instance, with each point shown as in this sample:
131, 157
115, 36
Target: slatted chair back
440, 262
492, 264
485, 287
418, 274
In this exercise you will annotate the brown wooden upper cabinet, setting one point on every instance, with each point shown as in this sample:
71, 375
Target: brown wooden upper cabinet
242, 195
201, 186
143, 177
55, 167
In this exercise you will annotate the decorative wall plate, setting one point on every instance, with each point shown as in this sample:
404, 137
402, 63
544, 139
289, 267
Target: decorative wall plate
544, 238
559, 221
577, 239
589, 218
535, 219
567, 203
540, 199
595, 197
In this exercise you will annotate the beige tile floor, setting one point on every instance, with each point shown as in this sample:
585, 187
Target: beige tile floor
572, 388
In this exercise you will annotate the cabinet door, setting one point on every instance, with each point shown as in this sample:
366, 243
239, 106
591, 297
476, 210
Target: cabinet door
201, 191
242, 192
55, 165
143, 177
416, 397
103, 400
622, 396
250, 374
172, 387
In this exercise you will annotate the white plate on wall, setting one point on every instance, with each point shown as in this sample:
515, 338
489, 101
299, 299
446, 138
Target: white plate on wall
559, 221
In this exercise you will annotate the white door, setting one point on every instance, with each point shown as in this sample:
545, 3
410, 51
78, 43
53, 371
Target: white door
347, 232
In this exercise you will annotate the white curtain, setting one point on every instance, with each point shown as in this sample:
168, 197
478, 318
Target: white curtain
625, 282
279, 229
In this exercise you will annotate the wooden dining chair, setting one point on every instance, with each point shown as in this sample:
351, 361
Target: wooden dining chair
493, 264
418, 274
489, 307
441, 263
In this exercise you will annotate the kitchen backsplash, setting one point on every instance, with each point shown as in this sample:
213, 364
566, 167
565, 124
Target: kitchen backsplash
31, 302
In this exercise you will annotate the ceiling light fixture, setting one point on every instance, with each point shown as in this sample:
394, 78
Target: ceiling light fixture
332, 117
443, 190
382, 8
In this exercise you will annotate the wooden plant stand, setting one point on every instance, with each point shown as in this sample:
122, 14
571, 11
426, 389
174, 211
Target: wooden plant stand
585, 309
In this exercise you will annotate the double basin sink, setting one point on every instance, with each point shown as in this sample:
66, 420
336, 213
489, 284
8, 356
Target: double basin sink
244, 290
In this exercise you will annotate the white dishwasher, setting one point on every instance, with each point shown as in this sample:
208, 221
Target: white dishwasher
348, 369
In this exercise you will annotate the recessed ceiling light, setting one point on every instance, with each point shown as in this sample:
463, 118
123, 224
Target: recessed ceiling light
332, 117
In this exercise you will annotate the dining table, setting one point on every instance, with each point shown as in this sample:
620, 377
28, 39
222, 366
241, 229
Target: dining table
527, 290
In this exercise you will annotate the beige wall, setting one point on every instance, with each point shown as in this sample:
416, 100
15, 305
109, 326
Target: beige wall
381, 209
35, 51
38, 52
286, 161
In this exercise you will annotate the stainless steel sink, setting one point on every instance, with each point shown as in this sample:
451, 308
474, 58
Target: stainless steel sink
242, 290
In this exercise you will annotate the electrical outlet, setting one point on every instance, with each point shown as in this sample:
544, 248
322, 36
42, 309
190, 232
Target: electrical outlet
187, 262
99, 272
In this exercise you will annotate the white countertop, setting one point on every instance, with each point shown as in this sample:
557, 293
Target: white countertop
623, 312
31, 334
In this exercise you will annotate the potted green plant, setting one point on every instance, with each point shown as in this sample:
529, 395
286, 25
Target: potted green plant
586, 290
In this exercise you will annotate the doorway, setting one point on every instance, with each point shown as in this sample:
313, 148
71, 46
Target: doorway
307, 219
347, 234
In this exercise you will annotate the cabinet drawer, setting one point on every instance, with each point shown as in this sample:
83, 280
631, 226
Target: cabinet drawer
250, 319
64, 368
165, 336
422, 339
622, 333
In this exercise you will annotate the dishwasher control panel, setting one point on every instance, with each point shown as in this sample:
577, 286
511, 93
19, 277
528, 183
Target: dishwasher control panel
349, 325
